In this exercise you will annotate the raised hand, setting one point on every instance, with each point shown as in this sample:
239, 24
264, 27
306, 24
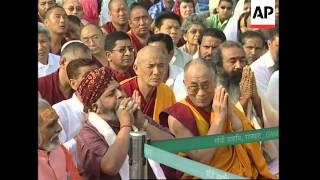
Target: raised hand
220, 104
246, 83
125, 111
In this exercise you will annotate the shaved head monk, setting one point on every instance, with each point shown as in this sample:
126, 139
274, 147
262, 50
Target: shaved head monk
207, 111
150, 67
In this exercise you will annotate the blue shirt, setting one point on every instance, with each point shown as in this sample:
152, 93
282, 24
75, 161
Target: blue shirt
156, 9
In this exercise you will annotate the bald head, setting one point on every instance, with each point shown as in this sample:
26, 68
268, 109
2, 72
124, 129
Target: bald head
199, 67
147, 53
151, 65
111, 2
91, 27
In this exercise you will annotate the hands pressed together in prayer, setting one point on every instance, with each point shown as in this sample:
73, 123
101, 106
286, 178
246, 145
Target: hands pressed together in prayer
220, 105
129, 112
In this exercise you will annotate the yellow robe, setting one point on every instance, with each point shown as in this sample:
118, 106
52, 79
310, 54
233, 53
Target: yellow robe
243, 159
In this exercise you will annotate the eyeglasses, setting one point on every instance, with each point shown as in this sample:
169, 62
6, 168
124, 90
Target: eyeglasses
124, 49
78, 8
194, 31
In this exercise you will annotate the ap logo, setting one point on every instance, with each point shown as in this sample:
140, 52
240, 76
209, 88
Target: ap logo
262, 13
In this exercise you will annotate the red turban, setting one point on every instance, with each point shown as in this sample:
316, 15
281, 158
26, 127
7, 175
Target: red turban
93, 86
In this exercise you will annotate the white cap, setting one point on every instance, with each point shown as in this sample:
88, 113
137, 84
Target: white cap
69, 42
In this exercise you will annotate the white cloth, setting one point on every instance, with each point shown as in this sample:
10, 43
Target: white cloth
179, 89
231, 29
51, 67
71, 119
174, 71
196, 55
180, 58
263, 69
104, 16
109, 135
273, 90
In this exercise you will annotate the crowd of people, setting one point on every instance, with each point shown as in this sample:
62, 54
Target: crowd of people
166, 67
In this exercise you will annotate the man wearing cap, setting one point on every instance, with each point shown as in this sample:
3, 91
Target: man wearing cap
150, 67
103, 142
56, 87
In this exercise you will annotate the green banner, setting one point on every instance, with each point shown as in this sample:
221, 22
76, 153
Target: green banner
186, 165
227, 139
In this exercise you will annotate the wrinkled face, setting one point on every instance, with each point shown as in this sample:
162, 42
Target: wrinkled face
44, 5
172, 28
224, 10
43, 46
253, 47
233, 61
119, 13
168, 4
186, 9
274, 48
207, 47
110, 100
122, 55
93, 38
73, 7
193, 34
200, 85
247, 7
81, 72
140, 22
151, 68
57, 21
73, 32
49, 130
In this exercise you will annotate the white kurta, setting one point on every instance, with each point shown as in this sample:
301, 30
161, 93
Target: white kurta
51, 67
174, 71
71, 119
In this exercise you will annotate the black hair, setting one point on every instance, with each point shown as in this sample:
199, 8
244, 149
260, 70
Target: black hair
165, 15
165, 38
111, 39
213, 32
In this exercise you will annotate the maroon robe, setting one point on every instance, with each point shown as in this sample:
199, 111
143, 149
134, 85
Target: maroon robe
110, 28
119, 76
98, 63
62, 43
184, 115
135, 42
48, 86
91, 147
146, 107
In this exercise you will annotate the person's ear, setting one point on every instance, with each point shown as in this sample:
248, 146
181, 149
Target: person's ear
185, 36
156, 30
109, 56
62, 61
95, 108
269, 43
73, 84
130, 23
135, 68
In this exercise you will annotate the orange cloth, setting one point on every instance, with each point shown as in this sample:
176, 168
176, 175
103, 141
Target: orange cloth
243, 159
164, 97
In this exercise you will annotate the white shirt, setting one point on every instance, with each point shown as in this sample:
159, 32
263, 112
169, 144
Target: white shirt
178, 88
71, 119
273, 90
263, 69
180, 58
52, 66
174, 71
104, 16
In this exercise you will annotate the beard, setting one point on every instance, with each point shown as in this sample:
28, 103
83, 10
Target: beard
110, 114
231, 83
52, 145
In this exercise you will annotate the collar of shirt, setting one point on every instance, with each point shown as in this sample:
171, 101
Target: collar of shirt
268, 60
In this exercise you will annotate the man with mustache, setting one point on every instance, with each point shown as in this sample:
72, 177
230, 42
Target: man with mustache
54, 160
140, 24
119, 12
209, 42
43, 6
57, 22
120, 55
103, 142
207, 110
253, 45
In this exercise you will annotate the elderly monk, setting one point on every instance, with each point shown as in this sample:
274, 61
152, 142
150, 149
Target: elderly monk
92, 36
57, 22
140, 24
205, 112
119, 12
103, 142
120, 55
150, 66
56, 87
54, 160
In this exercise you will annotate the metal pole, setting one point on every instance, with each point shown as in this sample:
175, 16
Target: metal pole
137, 161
